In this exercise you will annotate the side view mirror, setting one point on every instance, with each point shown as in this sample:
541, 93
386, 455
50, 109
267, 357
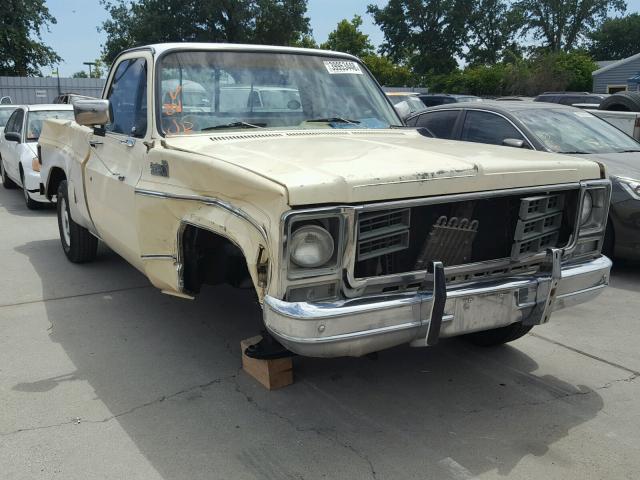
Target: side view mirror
12, 136
513, 142
91, 112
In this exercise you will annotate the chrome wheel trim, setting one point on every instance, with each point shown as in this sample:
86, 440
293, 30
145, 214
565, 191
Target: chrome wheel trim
64, 224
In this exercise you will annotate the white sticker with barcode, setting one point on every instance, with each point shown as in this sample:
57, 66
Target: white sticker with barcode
342, 66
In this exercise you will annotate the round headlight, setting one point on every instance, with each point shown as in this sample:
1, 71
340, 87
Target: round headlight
311, 246
587, 208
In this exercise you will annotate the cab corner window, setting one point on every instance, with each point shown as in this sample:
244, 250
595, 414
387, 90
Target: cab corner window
128, 98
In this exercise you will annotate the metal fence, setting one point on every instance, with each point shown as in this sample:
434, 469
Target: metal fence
31, 90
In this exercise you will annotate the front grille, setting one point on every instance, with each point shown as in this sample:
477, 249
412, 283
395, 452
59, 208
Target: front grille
464, 232
382, 233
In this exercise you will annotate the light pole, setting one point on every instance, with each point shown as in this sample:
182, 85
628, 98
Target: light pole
90, 64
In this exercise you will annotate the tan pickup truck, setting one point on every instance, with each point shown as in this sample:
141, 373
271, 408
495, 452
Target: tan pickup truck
286, 170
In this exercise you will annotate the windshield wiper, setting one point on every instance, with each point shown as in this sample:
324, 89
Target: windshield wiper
577, 152
235, 125
628, 151
333, 120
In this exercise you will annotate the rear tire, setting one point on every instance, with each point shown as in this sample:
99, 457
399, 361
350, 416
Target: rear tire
78, 243
499, 336
29, 202
6, 181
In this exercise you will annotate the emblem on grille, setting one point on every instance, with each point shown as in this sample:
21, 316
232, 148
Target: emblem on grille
449, 242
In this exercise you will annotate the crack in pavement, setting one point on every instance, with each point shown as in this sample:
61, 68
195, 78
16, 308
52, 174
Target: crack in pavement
323, 433
88, 294
160, 399
586, 354
554, 399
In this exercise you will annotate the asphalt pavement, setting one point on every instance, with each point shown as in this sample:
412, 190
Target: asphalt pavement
104, 377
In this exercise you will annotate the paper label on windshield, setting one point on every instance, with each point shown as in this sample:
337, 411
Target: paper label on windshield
583, 114
335, 67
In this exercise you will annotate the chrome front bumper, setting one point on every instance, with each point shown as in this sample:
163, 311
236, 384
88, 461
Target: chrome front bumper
355, 327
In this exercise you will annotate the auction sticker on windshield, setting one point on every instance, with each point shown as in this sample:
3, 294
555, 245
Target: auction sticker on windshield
342, 66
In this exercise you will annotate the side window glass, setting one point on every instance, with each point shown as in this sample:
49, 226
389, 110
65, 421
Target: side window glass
441, 124
14, 124
484, 127
9, 127
128, 98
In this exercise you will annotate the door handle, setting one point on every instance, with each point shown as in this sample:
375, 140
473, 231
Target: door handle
129, 142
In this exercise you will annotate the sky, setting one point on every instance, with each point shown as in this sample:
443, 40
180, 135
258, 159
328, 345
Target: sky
76, 38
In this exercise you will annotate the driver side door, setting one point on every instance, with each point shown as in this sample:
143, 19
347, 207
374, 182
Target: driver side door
116, 159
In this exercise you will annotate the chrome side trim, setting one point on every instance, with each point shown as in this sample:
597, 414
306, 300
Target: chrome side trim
213, 201
158, 256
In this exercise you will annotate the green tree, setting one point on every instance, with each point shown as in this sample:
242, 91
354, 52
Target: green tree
617, 38
388, 73
492, 26
305, 41
22, 52
426, 34
563, 25
80, 74
139, 22
347, 37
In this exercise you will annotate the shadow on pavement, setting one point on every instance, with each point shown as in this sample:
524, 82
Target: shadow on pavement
168, 371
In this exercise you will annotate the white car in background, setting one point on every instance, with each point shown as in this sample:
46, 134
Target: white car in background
19, 164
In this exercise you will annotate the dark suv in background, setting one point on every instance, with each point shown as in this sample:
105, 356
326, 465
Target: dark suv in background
571, 98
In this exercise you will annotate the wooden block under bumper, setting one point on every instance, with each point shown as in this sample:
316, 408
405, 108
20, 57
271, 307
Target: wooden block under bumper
272, 374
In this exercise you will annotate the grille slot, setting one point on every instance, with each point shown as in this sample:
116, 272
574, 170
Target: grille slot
533, 207
381, 233
539, 225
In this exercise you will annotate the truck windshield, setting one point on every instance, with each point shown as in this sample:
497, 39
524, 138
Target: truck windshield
200, 91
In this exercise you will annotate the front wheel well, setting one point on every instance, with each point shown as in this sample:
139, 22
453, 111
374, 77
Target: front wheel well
211, 259
56, 176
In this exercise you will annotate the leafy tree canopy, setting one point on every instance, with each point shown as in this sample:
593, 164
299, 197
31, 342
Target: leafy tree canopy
139, 22
22, 52
617, 38
348, 38
492, 27
563, 25
426, 34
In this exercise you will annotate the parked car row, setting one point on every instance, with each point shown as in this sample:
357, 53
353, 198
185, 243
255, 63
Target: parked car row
289, 171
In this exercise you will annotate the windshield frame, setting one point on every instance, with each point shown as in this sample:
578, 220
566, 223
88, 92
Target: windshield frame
521, 114
157, 80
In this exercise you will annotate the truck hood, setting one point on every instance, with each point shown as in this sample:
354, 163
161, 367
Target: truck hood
352, 166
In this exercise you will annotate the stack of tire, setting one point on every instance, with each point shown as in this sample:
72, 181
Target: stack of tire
622, 102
